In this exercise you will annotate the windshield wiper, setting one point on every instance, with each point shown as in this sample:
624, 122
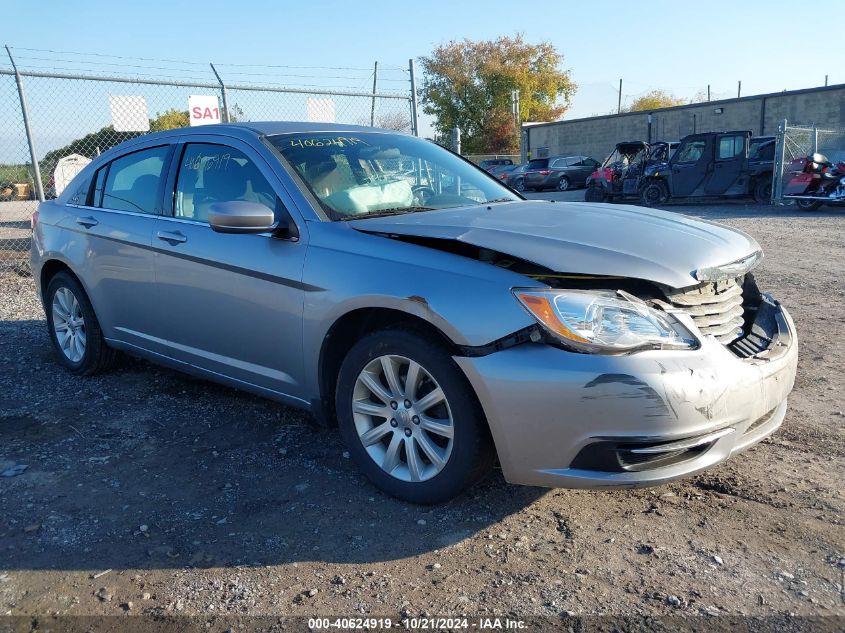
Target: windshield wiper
384, 212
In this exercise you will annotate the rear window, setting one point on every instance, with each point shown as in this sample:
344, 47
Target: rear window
538, 163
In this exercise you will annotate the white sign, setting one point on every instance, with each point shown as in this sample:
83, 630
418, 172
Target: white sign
129, 114
203, 109
66, 170
320, 110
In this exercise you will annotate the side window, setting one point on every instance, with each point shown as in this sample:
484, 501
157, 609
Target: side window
132, 181
730, 147
211, 173
690, 152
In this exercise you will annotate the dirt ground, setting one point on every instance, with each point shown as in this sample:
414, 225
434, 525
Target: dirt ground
149, 492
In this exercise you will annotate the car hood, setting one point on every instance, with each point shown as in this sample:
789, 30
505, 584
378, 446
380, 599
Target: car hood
582, 238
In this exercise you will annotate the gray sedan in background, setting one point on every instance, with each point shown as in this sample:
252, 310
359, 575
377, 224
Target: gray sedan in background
558, 172
440, 320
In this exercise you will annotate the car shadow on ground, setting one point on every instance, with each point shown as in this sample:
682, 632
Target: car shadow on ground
147, 468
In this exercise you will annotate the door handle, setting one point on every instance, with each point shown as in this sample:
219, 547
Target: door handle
173, 237
87, 222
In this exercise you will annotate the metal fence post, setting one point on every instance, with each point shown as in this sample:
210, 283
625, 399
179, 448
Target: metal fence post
456, 140
778, 167
373, 107
414, 120
36, 169
222, 92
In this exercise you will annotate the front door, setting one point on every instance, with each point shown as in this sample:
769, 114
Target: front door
689, 168
232, 304
730, 165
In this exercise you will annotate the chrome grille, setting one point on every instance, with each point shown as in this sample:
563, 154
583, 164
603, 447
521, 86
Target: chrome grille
716, 308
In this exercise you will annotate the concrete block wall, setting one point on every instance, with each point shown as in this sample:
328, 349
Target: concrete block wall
596, 136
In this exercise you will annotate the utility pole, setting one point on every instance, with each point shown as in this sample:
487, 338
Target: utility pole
373, 108
708, 92
738, 88
825, 80
515, 109
619, 102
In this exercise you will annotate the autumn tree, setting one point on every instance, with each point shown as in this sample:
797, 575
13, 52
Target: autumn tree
468, 85
654, 100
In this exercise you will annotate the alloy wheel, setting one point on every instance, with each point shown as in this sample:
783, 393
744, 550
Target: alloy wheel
69, 325
402, 418
563, 184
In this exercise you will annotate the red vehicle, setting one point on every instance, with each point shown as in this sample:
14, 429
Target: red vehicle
815, 181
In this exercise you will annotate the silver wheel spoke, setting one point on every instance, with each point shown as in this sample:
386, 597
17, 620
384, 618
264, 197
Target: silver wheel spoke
391, 455
391, 376
375, 434
368, 408
78, 347
431, 450
412, 380
429, 400
375, 387
415, 465
443, 428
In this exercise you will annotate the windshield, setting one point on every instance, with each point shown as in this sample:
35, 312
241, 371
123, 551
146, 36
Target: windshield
370, 173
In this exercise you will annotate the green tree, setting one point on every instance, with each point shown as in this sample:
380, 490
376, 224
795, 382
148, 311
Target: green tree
170, 120
654, 100
468, 85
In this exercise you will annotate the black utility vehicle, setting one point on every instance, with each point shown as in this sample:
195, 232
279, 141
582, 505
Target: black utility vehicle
712, 164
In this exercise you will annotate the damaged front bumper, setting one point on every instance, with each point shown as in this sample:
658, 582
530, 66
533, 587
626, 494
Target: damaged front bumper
562, 419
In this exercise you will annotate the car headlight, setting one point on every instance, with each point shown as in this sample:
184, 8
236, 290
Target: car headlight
604, 322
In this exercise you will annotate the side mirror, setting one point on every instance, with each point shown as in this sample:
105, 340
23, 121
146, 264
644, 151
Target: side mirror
239, 216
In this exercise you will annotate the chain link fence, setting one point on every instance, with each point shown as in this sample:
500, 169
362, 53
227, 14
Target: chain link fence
71, 119
794, 141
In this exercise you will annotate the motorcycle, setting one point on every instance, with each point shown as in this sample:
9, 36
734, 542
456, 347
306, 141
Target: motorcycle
815, 181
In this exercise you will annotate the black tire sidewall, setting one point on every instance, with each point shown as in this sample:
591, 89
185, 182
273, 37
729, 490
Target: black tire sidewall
644, 198
93, 337
763, 191
471, 455
807, 205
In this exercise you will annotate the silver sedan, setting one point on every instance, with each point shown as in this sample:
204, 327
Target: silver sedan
439, 319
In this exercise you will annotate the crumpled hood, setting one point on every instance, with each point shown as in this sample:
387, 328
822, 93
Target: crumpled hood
582, 238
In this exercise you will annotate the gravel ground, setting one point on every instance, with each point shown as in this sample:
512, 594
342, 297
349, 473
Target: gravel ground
149, 492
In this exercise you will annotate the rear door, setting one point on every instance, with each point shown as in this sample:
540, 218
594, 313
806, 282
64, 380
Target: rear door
117, 221
690, 167
232, 304
730, 166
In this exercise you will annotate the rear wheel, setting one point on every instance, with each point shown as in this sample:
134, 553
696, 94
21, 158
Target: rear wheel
595, 194
563, 183
408, 416
763, 191
519, 184
74, 329
654, 193
808, 205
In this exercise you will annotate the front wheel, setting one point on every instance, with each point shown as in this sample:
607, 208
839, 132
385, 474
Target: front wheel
654, 193
563, 183
74, 329
408, 416
808, 205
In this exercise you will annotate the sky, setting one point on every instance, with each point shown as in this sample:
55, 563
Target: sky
675, 46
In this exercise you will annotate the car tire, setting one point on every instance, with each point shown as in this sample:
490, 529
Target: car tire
563, 183
654, 193
74, 328
595, 194
808, 205
763, 191
519, 185
399, 445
